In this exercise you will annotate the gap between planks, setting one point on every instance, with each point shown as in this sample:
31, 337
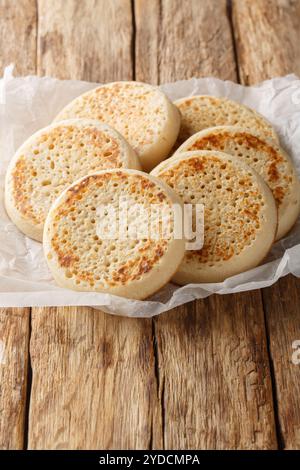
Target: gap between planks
159, 382
28, 388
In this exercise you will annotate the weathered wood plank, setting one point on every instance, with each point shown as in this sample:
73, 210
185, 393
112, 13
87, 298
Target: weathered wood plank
214, 375
282, 305
18, 46
93, 374
90, 39
14, 338
175, 38
213, 368
18, 35
267, 38
93, 383
268, 45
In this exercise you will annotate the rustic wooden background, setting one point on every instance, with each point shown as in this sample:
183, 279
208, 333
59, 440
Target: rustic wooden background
215, 373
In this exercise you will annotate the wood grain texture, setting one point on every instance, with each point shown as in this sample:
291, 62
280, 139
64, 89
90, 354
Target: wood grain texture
94, 382
14, 339
88, 39
271, 31
18, 20
214, 375
282, 305
267, 38
213, 369
180, 35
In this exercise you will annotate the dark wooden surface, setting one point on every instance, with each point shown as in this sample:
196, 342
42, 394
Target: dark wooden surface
215, 373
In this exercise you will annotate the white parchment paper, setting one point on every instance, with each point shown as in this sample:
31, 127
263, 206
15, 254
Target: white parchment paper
29, 103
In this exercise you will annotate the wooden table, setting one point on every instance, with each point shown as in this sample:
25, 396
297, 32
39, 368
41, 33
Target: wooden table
215, 373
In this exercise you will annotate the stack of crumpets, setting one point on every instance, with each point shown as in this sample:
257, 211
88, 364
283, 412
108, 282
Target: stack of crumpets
71, 178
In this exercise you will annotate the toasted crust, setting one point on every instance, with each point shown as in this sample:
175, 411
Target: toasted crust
141, 112
203, 111
266, 157
52, 159
80, 259
240, 215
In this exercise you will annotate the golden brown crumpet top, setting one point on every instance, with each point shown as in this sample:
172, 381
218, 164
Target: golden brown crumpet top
202, 111
266, 157
81, 259
240, 216
52, 159
140, 112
